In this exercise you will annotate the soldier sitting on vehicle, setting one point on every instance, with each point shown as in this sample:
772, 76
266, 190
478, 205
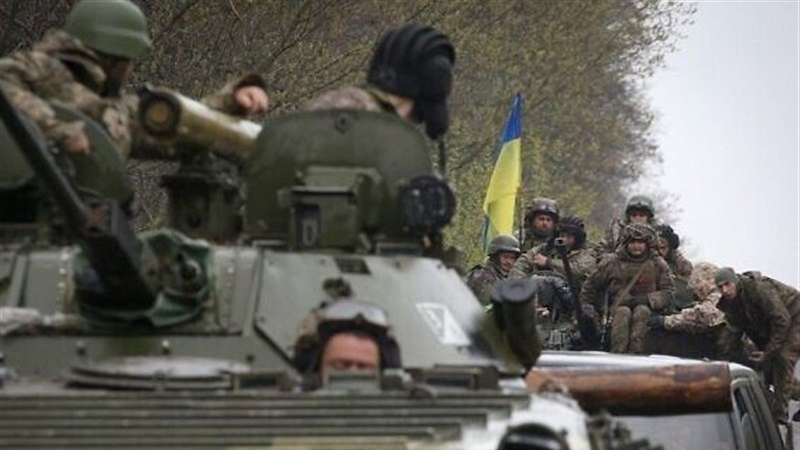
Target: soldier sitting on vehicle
345, 335
541, 220
667, 246
410, 75
503, 252
768, 312
633, 281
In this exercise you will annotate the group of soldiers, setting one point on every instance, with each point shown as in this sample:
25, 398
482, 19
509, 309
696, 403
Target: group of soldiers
611, 293
625, 290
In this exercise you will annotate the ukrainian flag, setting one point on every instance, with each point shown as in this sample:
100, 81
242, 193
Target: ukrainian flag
501, 196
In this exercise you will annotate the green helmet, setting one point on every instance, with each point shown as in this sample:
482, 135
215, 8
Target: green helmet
114, 27
639, 232
504, 243
640, 202
542, 205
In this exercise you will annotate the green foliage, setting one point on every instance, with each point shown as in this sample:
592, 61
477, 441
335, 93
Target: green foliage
580, 65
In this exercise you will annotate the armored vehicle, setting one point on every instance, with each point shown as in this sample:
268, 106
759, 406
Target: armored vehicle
166, 340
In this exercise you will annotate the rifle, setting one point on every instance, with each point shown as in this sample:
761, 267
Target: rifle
102, 229
563, 252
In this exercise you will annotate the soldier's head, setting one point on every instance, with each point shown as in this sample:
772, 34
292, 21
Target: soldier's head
571, 229
726, 281
116, 30
668, 240
640, 209
541, 216
414, 63
638, 239
349, 335
504, 251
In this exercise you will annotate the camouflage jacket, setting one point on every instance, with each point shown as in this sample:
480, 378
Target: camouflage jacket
60, 68
530, 240
704, 315
361, 98
617, 270
767, 310
582, 262
482, 277
680, 266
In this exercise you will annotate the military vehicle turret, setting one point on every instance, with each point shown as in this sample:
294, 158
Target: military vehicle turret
190, 345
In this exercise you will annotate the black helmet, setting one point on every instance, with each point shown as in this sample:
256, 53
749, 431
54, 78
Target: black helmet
575, 227
668, 234
416, 62
504, 243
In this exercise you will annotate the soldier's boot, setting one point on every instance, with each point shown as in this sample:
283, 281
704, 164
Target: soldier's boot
639, 329
620, 330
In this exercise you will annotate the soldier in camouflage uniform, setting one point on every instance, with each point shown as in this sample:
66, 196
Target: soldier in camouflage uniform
541, 220
87, 64
768, 312
634, 281
548, 256
410, 75
701, 317
639, 209
503, 252
667, 245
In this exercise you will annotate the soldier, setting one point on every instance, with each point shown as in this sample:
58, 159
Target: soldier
634, 281
541, 220
701, 317
768, 312
345, 335
87, 64
639, 209
410, 75
550, 256
667, 245
503, 252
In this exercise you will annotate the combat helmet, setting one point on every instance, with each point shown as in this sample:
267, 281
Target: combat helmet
542, 205
341, 316
575, 227
640, 202
114, 27
504, 243
416, 62
668, 234
638, 232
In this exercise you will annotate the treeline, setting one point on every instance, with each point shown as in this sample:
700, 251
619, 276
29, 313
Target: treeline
580, 65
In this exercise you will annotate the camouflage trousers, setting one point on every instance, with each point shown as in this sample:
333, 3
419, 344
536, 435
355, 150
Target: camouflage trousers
780, 371
629, 329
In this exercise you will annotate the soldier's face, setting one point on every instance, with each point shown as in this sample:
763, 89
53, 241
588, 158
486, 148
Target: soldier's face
636, 247
506, 260
663, 247
543, 223
638, 216
349, 351
727, 289
569, 240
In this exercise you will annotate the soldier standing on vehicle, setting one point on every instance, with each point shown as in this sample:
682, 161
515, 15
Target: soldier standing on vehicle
410, 75
639, 209
768, 312
345, 335
503, 252
86, 65
627, 286
541, 220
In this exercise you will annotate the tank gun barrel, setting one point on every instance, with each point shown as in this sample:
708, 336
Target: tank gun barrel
102, 229
168, 115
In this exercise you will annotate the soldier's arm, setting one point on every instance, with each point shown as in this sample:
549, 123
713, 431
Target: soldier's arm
523, 267
665, 286
697, 319
20, 75
224, 99
777, 315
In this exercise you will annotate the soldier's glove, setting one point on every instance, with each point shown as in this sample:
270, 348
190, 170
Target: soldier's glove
637, 300
656, 322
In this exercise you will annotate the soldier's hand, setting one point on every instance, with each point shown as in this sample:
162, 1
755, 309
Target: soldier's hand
252, 99
656, 322
541, 261
76, 143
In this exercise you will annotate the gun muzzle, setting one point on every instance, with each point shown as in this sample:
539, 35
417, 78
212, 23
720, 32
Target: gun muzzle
167, 115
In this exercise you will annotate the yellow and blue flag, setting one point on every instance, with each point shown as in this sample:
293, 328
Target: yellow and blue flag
499, 204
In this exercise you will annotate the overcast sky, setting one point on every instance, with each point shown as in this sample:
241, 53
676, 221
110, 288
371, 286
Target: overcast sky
728, 129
